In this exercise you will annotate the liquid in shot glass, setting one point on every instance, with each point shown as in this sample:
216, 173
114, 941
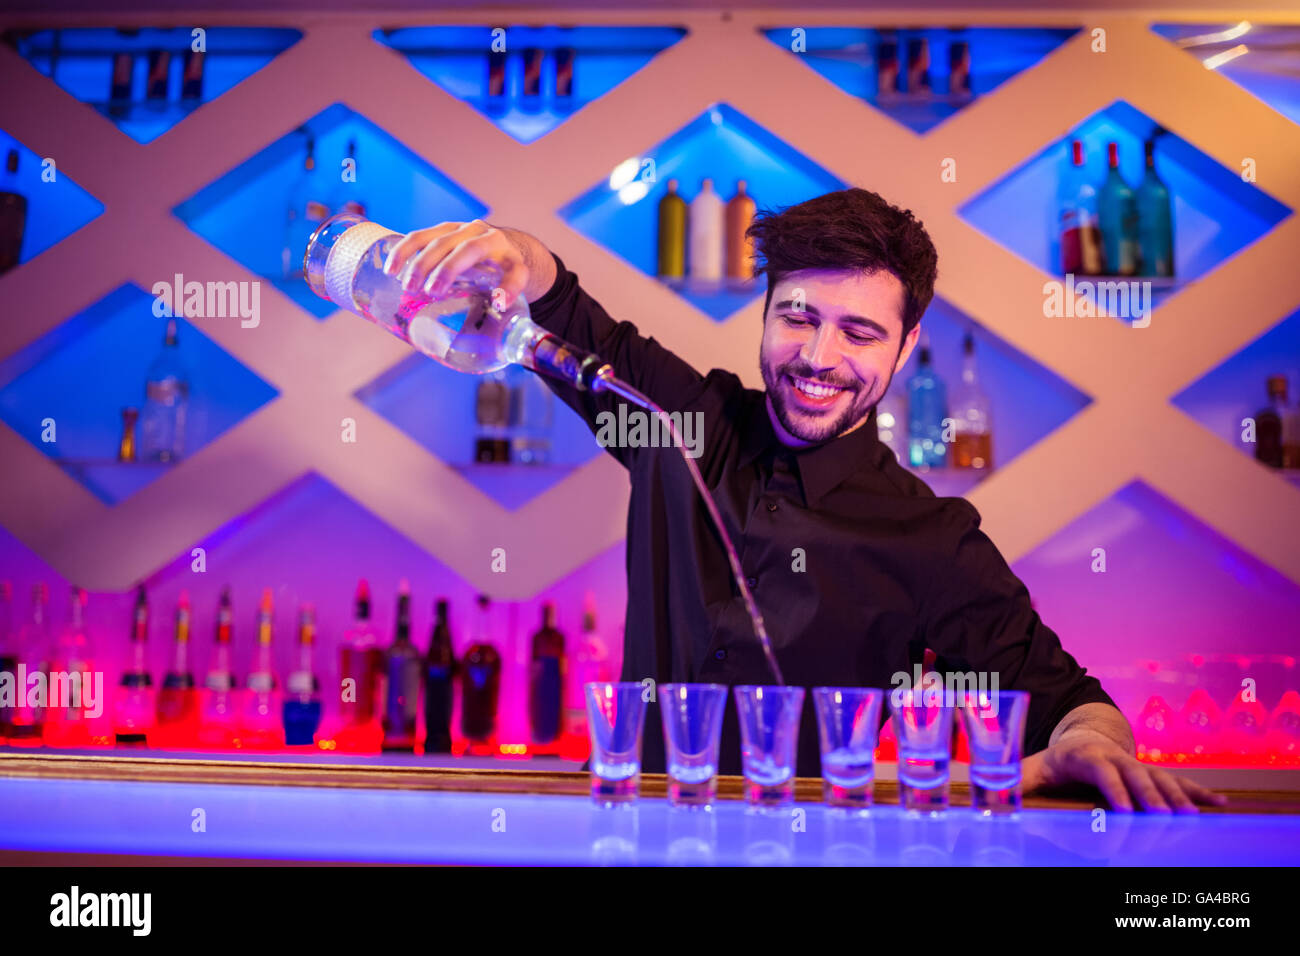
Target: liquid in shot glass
692, 719
995, 729
848, 726
616, 720
923, 725
769, 736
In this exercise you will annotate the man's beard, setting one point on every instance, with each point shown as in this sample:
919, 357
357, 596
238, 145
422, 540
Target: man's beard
806, 427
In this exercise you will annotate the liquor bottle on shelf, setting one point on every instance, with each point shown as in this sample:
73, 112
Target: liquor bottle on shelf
672, 234
496, 100
564, 63
959, 81
135, 709
155, 87
1078, 220
402, 680
531, 99
360, 666
1244, 726
261, 724
492, 412
1156, 730
1155, 221
740, 248
480, 685
67, 714
887, 71
302, 704
192, 79
219, 721
891, 423
28, 717
344, 196
1117, 210
120, 93
546, 680
927, 405
8, 657
177, 723
126, 446
532, 417
918, 66
306, 211
166, 403
590, 661
1201, 725
439, 684
972, 416
707, 231
1269, 422
13, 214
1283, 735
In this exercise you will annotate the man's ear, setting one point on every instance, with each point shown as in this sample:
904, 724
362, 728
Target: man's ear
909, 343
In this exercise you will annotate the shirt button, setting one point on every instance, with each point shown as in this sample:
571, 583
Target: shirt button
720, 655
752, 582
771, 506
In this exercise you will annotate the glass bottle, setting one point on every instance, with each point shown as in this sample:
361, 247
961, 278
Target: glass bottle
972, 416
305, 211
1117, 207
1155, 220
13, 214
439, 684
402, 672
589, 663
740, 248
1269, 422
672, 234
492, 414
546, 680
360, 664
532, 417
302, 703
220, 713
480, 682
133, 715
177, 706
927, 404
892, 422
706, 231
66, 716
261, 725
33, 658
1078, 219
8, 656
166, 403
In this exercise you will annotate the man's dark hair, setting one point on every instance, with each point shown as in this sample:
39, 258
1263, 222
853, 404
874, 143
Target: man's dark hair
849, 229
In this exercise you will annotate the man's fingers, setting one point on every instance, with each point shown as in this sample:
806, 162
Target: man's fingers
415, 275
1106, 777
412, 243
1173, 789
466, 254
1202, 795
1143, 787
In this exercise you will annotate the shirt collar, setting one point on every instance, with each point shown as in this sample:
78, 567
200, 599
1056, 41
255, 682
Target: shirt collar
821, 467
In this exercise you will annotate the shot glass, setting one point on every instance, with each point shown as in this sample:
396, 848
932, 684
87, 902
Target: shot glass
615, 718
848, 723
769, 734
923, 725
692, 717
995, 729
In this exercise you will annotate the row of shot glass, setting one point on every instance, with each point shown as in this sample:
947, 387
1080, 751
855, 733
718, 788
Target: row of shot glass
848, 723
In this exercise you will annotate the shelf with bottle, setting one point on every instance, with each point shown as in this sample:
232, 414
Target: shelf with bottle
72, 392
919, 77
528, 79
966, 403
505, 432
148, 79
35, 213
677, 210
1130, 215
1252, 399
334, 161
1259, 57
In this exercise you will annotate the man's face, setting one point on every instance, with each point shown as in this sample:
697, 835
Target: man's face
832, 341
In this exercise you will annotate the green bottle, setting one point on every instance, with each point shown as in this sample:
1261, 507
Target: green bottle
1155, 221
1117, 209
672, 234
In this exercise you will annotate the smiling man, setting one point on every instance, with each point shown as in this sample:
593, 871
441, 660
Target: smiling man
860, 571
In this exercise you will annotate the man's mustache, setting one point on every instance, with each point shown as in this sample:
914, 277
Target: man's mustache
805, 372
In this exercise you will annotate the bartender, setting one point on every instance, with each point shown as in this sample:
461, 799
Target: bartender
860, 572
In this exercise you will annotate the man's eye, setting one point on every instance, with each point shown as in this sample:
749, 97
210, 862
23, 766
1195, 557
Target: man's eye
861, 339
795, 320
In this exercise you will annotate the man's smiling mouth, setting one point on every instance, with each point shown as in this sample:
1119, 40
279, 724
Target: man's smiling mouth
816, 393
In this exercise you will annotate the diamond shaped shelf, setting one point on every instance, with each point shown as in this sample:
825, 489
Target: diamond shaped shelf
1028, 400
849, 57
435, 406
55, 210
457, 59
1235, 389
244, 212
1216, 214
1259, 57
721, 144
81, 61
64, 376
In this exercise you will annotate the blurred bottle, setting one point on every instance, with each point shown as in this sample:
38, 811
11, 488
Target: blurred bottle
72, 681
1117, 209
707, 230
927, 405
1156, 730
8, 657
33, 658
219, 720
590, 664
1244, 726
1155, 221
120, 93
13, 214
156, 80
1201, 725
302, 708
126, 447
305, 211
166, 403
532, 417
492, 413
136, 705
740, 248
402, 680
1270, 422
891, 423
345, 195
959, 81
972, 414
192, 79
439, 684
531, 99
564, 63
672, 234
261, 725
887, 71
360, 665
177, 723
918, 66
546, 680
480, 684
1078, 219
496, 99
1283, 734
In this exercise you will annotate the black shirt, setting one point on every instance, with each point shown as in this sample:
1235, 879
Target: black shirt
857, 567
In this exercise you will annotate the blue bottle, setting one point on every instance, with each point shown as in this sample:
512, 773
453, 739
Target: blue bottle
927, 403
302, 690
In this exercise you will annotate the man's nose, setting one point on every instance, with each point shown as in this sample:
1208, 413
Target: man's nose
821, 351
